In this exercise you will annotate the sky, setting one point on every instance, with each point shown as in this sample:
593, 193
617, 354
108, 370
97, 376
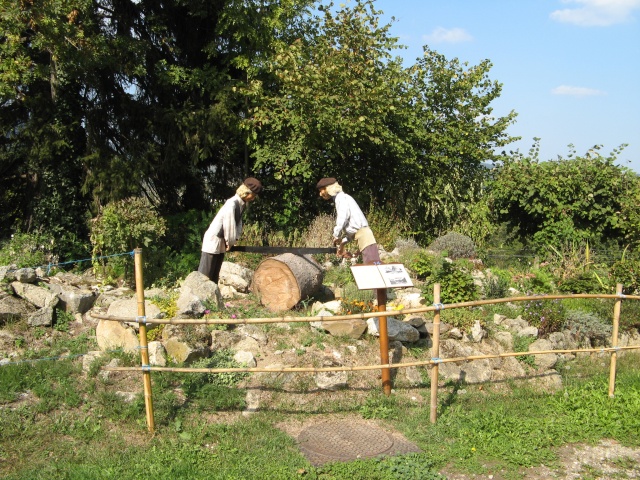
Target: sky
569, 68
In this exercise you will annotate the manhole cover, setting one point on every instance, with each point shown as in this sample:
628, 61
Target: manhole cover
340, 441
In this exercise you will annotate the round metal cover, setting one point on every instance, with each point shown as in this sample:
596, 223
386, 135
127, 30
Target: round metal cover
343, 441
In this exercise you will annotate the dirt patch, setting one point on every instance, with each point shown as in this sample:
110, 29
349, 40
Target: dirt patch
608, 460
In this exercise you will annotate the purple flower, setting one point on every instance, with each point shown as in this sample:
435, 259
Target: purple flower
233, 315
207, 312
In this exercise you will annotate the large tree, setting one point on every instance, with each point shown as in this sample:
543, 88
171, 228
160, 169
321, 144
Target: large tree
343, 105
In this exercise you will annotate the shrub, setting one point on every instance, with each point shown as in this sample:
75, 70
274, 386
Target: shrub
547, 315
456, 284
626, 272
27, 250
455, 245
123, 226
588, 325
583, 282
496, 284
425, 264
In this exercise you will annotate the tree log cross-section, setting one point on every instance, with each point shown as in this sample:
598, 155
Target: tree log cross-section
282, 281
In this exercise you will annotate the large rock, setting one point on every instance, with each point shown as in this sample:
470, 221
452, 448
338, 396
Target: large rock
545, 360
12, 308
235, 276
186, 343
197, 290
73, 299
42, 317
112, 335
128, 308
396, 330
38, 296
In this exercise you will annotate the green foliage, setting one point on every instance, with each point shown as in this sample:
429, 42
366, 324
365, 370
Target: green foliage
584, 282
123, 226
547, 315
63, 319
387, 225
378, 407
555, 203
454, 245
626, 272
425, 264
585, 325
456, 284
535, 281
27, 250
462, 318
496, 283
219, 359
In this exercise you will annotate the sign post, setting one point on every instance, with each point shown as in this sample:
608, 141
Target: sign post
379, 278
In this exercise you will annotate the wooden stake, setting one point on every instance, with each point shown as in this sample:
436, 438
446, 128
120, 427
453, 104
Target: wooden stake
381, 294
614, 340
144, 347
435, 354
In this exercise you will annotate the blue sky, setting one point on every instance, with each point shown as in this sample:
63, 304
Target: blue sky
569, 68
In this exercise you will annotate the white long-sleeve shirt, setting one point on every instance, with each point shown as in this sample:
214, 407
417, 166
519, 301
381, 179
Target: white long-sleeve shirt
349, 217
225, 227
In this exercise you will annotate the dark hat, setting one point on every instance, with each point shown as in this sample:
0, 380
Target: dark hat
325, 182
253, 184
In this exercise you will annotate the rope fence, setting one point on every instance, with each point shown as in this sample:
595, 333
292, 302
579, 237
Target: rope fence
434, 361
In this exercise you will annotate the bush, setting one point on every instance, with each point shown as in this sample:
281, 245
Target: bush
626, 272
121, 227
455, 245
456, 284
547, 315
583, 282
496, 284
585, 325
28, 250
425, 264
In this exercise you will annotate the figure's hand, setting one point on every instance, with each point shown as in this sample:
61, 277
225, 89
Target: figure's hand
227, 247
337, 242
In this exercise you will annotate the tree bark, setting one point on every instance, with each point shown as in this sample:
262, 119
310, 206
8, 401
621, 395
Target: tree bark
282, 281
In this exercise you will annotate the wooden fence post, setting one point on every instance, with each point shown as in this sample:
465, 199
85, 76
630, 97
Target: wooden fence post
614, 340
144, 347
381, 295
435, 354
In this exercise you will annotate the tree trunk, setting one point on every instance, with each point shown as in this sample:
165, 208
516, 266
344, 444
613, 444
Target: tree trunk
282, 281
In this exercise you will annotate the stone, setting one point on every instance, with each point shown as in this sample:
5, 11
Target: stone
413, 376
25, 275
545, 360
128, 308
396, 330
196, 291
477, 333
43, 317
38, 296
245, 358
235, 276
345, 328
74, 300
112, 335
331, 380
157, 354
12, 308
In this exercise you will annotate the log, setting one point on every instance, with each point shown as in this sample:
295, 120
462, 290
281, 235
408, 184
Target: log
284, 280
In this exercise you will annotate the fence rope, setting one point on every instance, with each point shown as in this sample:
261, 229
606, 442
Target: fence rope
49, 266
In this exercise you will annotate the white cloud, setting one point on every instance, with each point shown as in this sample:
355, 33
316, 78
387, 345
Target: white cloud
577, 91
596, 13
448, 35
